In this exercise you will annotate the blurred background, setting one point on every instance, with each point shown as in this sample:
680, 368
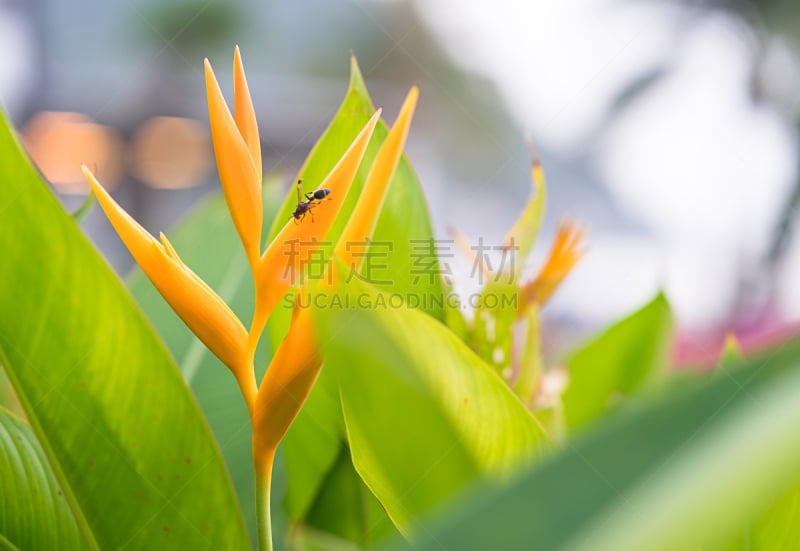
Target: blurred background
668, 127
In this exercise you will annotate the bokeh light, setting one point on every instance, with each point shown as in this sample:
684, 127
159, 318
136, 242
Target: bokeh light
60, 142
171, 153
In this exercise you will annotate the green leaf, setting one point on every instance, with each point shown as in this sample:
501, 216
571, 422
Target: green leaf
323, 505
424, 415
774, 528
492, 335
85, 208
315, 438
403, 225
454, 317
681, 471
526, 227
130, 448
312, 445
33, 511
305, 538
495, 316
777, 527
8, 398
530, 362
363, 521
630, 355
207, 241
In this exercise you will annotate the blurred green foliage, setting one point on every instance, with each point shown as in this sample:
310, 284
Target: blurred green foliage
120, 429
407, 431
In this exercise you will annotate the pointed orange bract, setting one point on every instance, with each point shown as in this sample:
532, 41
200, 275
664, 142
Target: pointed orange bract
244, 113
203, 311
563, 257
362, 221
238, 174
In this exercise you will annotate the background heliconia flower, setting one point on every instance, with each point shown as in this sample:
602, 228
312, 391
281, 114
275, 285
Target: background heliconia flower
506, 328
564, 255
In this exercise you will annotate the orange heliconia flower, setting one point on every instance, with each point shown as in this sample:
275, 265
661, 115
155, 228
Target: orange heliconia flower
564, 254
296, 364
238, 152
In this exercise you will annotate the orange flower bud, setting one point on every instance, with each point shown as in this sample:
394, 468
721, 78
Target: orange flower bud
238, 172
563, 257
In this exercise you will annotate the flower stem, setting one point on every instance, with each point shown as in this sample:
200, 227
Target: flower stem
263, 517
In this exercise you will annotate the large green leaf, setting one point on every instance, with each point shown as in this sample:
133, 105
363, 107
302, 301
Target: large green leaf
424, 415
8, 399
626, 357
207, 241
364, 521
681, 471
312, 445
123, 434
403, 233
775, 528
33, 511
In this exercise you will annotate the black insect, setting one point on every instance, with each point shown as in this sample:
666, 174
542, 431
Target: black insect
313, 199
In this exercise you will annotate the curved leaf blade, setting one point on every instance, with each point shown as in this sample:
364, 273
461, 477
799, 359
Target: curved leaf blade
774, 528
626, 357
424, 415
122, 432
652, 476
33, 511
403, 233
